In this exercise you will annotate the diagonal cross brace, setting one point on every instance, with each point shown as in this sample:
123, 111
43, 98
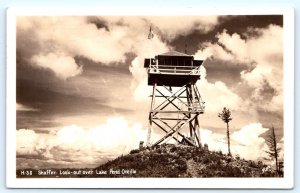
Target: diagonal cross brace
169, 134
174, 96
168, 99
178, 95
171, 96
171, 128
164, 130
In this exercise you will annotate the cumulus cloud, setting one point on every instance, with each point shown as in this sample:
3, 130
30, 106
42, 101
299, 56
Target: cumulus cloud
234, 44
93, 146
217, 95
148, 49
247, 141
213, 51
265, 51
63, 66
183, 25
55, 41
26, 141
80, 145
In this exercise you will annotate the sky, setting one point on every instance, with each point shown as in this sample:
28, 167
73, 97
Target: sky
82, 93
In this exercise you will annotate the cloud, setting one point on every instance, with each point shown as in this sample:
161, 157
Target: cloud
217, 95
26, 141
80, 146
56, 43
21, 107
213, 51
183, 25
215, 141
63, 66
246, 141
249, 143
74, 36
104, 40
234, 44
149, 48
63, 38
263, 55
92, 146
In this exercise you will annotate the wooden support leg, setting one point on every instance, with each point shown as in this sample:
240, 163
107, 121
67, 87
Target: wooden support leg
151, 116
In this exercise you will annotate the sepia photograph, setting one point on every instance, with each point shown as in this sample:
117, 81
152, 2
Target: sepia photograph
167, 96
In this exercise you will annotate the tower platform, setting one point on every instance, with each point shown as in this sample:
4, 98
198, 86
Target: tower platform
173, 69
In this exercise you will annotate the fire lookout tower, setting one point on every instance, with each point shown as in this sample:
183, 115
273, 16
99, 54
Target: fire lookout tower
175, 100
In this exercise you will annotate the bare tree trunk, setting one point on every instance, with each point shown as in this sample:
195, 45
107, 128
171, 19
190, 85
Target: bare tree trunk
275, 150
228, 139
277, 167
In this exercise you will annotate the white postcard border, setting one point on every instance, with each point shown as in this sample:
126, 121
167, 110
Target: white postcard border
287, 182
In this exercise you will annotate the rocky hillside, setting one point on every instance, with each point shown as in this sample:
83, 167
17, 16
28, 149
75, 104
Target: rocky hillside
170, 160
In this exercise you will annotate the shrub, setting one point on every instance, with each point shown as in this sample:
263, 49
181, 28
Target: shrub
228, 159
188, 156
205, 160
196, 159
236, 172
134, 151
260, 164
181, 153
173, 149
219, 152
252, 164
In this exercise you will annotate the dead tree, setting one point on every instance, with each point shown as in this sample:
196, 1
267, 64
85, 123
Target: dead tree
273, 147
226, 117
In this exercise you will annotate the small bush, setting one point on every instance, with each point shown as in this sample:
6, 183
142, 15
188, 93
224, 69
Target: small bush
228, 159
205, 160
252, 164
134, 151
181, 165
173, 149
158, 151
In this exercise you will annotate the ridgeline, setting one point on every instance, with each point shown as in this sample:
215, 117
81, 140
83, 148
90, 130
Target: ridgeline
168, 160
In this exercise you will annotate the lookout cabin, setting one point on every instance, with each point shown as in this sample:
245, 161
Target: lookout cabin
173, 69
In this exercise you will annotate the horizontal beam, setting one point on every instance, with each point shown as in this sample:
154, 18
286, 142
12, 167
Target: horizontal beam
168, 96
162, 111
173, 66
177, 73
169, 119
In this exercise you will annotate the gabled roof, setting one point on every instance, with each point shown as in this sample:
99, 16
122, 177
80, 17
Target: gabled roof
174, 53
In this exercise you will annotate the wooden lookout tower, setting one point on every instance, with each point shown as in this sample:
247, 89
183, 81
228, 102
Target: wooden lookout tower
175, 100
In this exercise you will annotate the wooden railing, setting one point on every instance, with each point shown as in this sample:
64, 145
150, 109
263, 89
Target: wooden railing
167, 69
